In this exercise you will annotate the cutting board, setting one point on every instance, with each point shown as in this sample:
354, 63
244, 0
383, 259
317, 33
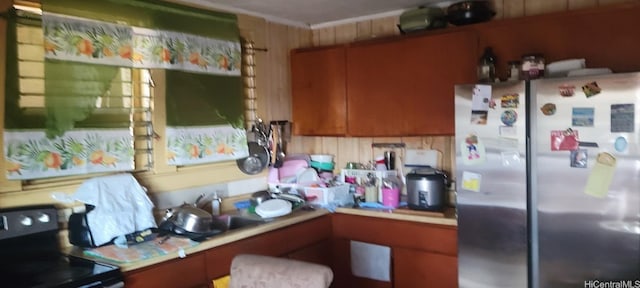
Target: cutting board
142, 251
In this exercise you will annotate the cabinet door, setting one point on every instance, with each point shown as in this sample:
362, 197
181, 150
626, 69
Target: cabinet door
278, 243
180, 273
414, 268
318, 91
405, 87
319, 253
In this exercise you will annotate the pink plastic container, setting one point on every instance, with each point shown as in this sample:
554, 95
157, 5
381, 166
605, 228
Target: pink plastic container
391, 197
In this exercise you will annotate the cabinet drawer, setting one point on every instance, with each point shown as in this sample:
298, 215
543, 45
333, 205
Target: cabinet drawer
413, 268
188, 272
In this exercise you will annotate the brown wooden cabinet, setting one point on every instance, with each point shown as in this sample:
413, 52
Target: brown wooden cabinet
415, 268
306, 241
405, 86
394, 87
318, 91
280, 243
188, 272
423, 255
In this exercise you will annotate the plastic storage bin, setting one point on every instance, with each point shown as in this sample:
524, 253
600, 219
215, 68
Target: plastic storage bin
337, 195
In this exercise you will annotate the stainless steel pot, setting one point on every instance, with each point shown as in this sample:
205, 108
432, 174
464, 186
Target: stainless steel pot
259, 197
190, 219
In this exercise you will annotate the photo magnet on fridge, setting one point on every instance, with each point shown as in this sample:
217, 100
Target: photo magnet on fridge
564, 140
579, 158
479, 117
511, 100
582, 116
480, 104
591, 89
622, 117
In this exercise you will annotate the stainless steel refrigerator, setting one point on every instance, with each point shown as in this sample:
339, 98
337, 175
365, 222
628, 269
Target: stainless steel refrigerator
548, 182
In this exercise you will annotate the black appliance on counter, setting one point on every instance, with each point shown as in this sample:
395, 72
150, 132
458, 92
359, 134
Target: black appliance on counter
30, 254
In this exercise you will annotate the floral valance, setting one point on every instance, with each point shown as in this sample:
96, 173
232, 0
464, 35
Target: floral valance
96, 42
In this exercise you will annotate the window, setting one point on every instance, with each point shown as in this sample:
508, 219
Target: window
128, 100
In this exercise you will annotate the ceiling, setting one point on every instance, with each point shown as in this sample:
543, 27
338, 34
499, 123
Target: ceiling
314, 13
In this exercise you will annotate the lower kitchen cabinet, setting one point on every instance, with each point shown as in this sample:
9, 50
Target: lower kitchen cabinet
187, 272
306, 241
302, 238
414, 268
422, 255
319, 253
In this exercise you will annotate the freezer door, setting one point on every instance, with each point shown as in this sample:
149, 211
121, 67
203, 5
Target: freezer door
491, 187
588, 210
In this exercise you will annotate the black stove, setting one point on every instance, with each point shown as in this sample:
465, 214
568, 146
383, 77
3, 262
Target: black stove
30, 255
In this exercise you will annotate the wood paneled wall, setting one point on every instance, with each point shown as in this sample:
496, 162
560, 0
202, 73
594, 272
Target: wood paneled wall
348, 149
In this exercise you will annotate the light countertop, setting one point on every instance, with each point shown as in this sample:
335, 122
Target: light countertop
449, 218
295, 218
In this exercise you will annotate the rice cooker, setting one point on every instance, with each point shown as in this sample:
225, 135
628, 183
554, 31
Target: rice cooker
426, 189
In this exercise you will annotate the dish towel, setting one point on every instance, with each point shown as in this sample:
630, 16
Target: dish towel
121, 206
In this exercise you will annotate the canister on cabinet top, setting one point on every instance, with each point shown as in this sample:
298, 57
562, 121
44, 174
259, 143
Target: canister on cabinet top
532, 66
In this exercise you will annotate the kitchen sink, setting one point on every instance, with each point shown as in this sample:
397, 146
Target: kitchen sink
236, 222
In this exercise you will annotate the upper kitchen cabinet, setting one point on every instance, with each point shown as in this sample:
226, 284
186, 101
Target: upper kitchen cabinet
405, 87
318, 79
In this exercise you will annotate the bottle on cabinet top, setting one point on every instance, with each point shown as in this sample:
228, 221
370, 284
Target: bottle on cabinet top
487, 66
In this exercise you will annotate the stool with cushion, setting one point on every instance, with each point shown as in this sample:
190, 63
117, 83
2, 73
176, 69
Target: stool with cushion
252, 271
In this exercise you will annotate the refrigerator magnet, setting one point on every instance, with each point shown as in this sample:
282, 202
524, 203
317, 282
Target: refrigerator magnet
548, 109
582, 116
508, 131
566, 90
622, 117
471, 181
509, 117
601, 175
510, 158
479, 117
472, 150
620, 144
591, 89
481, 97
579, 158
511, 100
564, 140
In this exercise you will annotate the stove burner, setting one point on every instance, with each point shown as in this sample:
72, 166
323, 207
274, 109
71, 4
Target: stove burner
30, 256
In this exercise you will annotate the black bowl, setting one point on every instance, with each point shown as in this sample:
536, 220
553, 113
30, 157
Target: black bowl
470, 12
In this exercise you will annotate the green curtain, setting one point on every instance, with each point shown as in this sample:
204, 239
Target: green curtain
202, 99
72, 89
191, 99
